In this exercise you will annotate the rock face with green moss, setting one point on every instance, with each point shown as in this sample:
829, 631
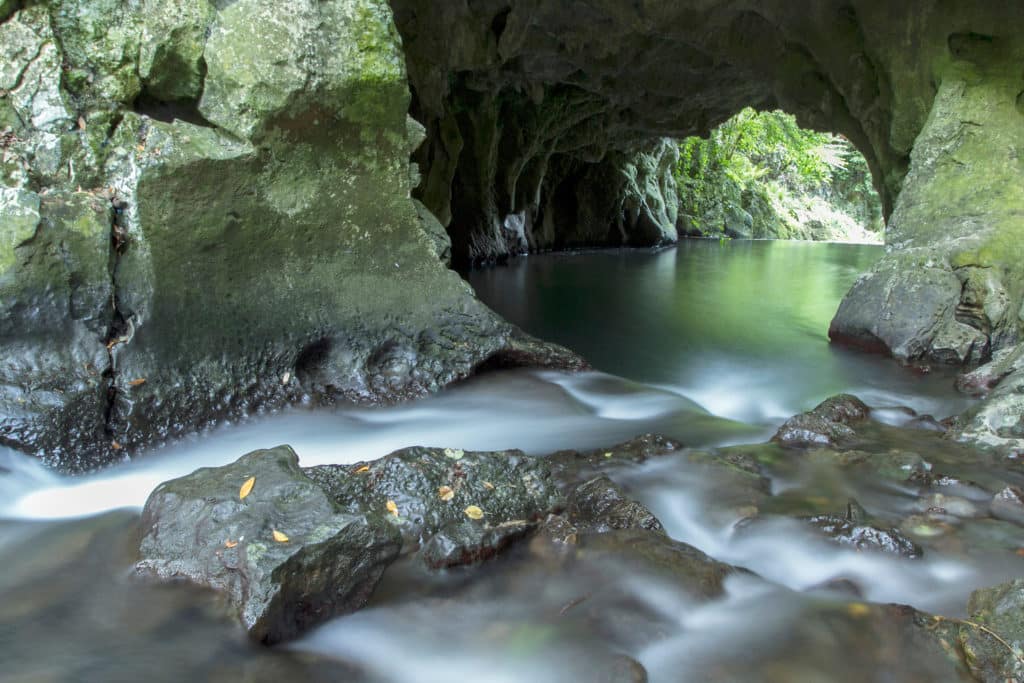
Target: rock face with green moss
250, 162
205, 210
951, 288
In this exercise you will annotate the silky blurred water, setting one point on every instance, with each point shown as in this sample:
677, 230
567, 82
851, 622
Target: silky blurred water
741, 327
711, 344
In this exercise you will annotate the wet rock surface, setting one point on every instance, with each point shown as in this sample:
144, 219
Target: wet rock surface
599, 505
433, 487
283, 556
992, 640
157, 169
1008, 505
828, 424
862, 536
462, 506
997, 421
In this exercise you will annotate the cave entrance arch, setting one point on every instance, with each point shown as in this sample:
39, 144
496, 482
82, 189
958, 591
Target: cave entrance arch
529, 104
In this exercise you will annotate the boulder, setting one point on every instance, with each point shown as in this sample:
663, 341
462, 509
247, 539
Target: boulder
189, 154
828, 424
268, 539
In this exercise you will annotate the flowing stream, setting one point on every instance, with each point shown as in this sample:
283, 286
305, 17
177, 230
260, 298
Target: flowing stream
711, 344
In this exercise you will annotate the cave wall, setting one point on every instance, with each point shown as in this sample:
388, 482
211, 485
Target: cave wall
525, 95
207, 208
205, 212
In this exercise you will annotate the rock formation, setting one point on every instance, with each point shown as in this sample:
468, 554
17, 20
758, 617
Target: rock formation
205, 207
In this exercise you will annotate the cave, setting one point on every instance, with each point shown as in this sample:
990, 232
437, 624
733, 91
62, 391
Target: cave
229, 223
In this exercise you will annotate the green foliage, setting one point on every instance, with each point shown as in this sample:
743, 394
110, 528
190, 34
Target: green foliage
758, 165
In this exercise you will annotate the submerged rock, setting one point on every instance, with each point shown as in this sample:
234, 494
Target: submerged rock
283, 555
862, 536
655, 554
828, 424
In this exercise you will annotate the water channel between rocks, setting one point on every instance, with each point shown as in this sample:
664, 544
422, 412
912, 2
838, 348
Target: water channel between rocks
710, 343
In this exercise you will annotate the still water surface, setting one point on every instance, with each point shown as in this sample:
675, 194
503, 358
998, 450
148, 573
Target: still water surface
712, 344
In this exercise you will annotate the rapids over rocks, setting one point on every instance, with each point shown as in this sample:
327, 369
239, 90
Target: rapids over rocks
708, 553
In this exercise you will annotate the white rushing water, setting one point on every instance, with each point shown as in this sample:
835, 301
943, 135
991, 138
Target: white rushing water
538, 412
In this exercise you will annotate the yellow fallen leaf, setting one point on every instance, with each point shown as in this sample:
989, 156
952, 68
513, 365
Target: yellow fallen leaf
392, 507
115, 445
364, 468
279, 537
473, 512
858, 609
246, 488
230, 544
137, 382
445, 493
489, 486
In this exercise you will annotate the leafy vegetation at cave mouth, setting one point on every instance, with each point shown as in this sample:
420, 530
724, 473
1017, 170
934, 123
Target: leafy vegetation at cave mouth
760, 175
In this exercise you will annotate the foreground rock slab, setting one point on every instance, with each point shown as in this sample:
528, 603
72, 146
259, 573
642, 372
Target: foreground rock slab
464, 506
281, 553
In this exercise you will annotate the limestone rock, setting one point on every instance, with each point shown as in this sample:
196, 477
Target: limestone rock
283, 556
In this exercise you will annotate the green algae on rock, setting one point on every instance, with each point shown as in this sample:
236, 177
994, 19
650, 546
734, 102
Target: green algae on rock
257, 226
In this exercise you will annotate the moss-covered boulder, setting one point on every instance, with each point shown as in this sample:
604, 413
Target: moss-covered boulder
951, 289
244, 172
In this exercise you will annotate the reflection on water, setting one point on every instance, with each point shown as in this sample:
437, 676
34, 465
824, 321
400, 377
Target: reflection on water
740, 327
710, 344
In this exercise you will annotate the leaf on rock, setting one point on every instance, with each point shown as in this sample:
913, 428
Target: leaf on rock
246, 488
858, 610
279, 537
445, 493
473, 512
392, 507
230, 544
